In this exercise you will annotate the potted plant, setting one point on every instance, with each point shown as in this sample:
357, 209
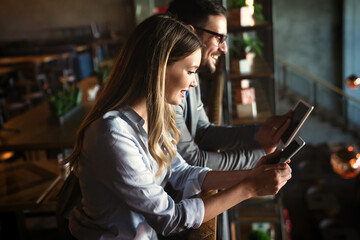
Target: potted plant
258, 235
240, 13
241, 45
104, 71
63, 103
243, 50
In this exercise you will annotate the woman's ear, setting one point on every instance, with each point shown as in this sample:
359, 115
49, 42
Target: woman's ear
192, 28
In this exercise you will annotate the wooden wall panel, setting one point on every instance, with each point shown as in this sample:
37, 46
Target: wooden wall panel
29, 19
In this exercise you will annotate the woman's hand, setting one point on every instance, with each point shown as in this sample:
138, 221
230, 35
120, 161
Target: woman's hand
268, 179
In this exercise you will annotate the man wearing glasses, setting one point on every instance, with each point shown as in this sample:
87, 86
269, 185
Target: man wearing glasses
240, 147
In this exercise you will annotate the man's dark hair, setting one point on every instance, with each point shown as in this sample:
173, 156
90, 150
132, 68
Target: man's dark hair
195, 12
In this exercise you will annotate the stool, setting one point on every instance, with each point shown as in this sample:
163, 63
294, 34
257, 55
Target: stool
10, 105
32, 91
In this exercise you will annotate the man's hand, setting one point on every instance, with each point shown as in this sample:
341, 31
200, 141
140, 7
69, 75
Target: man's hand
270, 158
270, 132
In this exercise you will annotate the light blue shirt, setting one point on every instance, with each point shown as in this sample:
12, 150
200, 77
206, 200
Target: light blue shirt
122, 196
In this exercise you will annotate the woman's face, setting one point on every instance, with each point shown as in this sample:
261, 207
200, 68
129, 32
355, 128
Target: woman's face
180, 76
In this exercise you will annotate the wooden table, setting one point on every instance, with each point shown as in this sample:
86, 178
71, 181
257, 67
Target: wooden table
34, 185
7, 73
36, 133
36, 59
6, 70
26, 186
36, 62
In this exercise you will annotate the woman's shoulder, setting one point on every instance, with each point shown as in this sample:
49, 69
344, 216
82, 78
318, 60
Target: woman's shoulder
112, 121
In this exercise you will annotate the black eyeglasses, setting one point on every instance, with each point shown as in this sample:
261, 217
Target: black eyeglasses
222, 38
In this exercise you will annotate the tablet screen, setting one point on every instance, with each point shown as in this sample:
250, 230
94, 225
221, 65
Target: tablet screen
300, 112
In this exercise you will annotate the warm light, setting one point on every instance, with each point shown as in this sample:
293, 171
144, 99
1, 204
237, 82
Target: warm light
246, 16
252, 10
353, 81
250, 4
6, 155
346, 162
355, 163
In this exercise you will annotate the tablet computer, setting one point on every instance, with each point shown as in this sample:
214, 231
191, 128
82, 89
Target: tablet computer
300, 113
296, 144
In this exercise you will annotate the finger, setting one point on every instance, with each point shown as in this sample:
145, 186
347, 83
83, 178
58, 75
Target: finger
285, 178
289, 113
279, 122
274, 154
285, 117
281, 130
276, 166
271, 121
271, 157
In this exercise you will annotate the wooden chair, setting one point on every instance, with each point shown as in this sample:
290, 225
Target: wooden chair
11, 104
30, 84
9, 156
69, 196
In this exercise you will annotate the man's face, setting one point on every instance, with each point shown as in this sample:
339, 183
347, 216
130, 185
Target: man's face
213, 48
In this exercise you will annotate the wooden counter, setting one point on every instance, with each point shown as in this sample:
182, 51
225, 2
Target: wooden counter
207, 231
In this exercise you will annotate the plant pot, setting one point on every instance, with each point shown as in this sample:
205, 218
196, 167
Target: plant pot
240, 17
234, 17
242, 63
65, 117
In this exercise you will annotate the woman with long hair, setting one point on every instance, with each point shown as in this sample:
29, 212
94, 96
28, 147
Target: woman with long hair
126, 146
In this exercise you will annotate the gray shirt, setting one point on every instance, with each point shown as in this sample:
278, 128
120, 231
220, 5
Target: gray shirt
122, 196
208, 145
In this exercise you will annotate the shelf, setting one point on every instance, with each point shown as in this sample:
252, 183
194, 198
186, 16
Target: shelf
266, 214
258, 25
262, 105
262, 116
261, 71
259, 68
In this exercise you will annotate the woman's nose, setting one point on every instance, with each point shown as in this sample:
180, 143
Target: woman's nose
193, 83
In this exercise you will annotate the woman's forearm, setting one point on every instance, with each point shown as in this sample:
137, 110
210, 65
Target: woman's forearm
220, 202
223, 179
241, 185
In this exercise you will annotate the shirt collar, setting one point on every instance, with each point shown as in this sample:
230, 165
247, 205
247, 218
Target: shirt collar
132, 115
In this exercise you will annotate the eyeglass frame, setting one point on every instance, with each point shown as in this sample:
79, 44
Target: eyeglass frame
222, 37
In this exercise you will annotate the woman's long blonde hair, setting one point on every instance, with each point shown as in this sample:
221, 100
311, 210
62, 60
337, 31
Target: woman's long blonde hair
138, 72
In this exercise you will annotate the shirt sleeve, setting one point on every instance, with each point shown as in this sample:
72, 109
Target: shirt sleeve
216, 147
128, 174
187, 178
